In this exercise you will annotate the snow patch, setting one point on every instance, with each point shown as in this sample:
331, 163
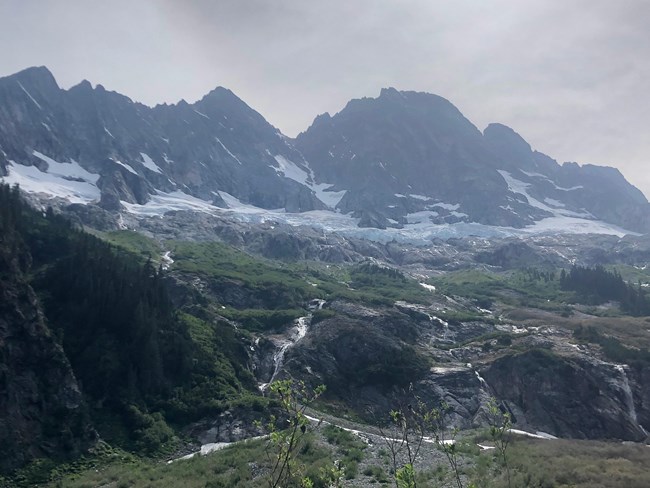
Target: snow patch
423, 217
213, 447
578, 187
228, 151
485, 448
149, 163
429, 287
447, 206
418, 231
125, 166
201, 114
62, 180
521, 188
537, 435
29, 94
554, 203
539, 175
67, 170
161, 203
291, 170
575, 225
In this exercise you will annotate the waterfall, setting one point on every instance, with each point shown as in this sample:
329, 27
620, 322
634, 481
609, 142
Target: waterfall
480, 379
166, 260
298, 332
629, 397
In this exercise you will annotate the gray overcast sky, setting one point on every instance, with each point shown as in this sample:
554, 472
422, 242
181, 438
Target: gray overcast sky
571, 76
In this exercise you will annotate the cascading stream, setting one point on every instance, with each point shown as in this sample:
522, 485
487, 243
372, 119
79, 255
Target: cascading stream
298, 332
629, 397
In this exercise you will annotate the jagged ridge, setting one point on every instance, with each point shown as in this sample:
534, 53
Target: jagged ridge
390, 161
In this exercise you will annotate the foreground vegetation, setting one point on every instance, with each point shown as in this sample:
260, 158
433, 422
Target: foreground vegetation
306, 454
580, 464
535, 464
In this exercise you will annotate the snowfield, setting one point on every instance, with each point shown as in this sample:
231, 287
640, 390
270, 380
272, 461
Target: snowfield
419, 230
72, 182
63, 180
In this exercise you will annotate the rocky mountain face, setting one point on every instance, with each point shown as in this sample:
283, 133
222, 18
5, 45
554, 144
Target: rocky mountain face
599, 191
405, 153
572, 396
128, 151
398, 160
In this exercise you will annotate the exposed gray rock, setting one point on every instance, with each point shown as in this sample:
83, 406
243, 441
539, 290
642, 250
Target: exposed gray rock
216, 144
405, 152
567, 396
396, 155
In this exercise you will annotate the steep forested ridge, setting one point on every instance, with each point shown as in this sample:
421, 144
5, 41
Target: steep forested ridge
42, 412
106, 316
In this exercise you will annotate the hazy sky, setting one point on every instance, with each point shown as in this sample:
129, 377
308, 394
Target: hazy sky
571, 76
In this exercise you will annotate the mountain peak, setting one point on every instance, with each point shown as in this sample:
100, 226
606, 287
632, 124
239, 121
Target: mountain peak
220, 94
389, 92
83, 85
35, 77
389, 159
500, 134
34, 72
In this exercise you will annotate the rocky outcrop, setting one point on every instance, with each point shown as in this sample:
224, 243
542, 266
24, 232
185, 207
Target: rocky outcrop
370, 357
362, 355
567, 396
230, 426
639, 379
511, 255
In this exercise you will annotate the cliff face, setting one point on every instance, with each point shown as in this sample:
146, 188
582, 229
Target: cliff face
368, 356
42, 413
576, 397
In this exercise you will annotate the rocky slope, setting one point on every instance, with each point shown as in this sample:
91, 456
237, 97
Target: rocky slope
116, 150
371, 356
405, 153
